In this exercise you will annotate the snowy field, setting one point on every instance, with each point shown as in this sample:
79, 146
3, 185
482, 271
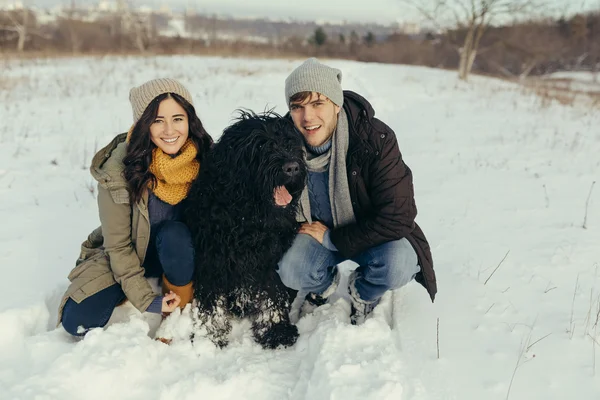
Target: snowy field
498, 176
582, 81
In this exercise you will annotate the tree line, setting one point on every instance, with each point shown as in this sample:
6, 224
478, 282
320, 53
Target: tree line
519, 49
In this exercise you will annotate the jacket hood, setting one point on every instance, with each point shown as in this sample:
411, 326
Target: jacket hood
107, 165
355, 104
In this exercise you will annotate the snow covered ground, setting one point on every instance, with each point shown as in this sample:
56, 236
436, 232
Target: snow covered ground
498, 175
580, 81
583, 76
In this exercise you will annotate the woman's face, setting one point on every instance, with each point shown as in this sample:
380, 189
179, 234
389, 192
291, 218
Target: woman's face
170, 129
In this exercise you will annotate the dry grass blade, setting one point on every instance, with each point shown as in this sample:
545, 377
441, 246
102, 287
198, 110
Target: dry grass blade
495, 269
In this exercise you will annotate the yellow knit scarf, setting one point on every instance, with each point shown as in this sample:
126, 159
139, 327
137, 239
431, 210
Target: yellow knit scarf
174, 175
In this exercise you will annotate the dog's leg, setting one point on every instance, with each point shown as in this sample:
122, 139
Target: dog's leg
241, 303
272, 327
216, 321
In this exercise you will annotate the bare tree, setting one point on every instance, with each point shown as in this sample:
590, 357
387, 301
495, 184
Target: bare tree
536, 44
71, 28
139, 27
19, 21
142, 31
473, 17
213, 29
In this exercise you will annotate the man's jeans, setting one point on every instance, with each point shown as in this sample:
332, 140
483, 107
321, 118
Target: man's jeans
309, 267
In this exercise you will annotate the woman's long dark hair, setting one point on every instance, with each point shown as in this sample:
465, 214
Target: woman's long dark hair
139, 150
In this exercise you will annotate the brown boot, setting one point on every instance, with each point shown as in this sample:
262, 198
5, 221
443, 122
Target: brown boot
185, 292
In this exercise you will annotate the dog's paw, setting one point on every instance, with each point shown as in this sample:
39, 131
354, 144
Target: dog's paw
220, 342
219, 336
280, 334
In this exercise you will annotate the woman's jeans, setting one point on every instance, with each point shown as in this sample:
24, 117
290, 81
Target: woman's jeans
170, 252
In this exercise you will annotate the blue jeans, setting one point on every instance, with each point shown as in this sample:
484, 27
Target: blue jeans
170, 252
310, 267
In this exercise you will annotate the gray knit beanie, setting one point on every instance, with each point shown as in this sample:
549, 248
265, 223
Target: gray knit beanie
141, 96
312, 76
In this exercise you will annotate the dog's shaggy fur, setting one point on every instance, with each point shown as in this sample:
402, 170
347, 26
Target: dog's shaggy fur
240, 233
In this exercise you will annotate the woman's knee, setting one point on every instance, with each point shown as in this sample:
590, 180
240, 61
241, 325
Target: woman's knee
93, 312
77, 320
71, 320
175, 252
173, 234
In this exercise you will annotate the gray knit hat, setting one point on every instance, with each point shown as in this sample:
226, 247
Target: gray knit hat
312, 76
141, 96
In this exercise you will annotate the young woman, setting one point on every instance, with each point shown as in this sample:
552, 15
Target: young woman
143, 179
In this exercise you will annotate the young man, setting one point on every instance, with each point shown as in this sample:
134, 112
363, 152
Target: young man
359, 201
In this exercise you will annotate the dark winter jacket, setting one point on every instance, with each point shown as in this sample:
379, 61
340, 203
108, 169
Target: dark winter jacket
381, 190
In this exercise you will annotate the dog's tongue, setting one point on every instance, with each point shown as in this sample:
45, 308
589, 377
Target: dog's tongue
282, 196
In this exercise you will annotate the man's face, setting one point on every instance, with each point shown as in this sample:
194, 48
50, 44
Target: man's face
315, 118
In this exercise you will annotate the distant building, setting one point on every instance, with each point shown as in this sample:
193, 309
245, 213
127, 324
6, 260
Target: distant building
408, 28
107, 6
411, 28
15, 5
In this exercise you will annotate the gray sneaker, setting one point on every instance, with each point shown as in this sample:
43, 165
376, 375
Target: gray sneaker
360, 310
311, 302
314, 299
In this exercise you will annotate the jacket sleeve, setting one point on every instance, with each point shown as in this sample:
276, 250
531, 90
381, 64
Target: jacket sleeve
392, 198
115, 218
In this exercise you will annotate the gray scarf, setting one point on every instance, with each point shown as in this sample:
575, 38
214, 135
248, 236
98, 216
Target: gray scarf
339, 192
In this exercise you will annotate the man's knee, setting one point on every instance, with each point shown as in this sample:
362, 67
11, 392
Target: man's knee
390, 265
303, 262
288, 277
402, 261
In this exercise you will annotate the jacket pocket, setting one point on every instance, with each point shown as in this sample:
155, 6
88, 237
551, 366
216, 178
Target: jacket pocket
94, 286
92, 246
93, 262
119, 194
90, 277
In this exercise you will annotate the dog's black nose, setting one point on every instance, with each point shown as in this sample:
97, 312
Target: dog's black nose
291, 168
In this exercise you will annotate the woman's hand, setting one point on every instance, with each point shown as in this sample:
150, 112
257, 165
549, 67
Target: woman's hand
170, 302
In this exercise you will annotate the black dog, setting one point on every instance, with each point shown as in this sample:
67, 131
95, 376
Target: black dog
241, 212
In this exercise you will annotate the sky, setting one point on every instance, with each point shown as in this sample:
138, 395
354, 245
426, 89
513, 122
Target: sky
382, 11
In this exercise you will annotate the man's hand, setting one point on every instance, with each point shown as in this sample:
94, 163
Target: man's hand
170, 302
316, 230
